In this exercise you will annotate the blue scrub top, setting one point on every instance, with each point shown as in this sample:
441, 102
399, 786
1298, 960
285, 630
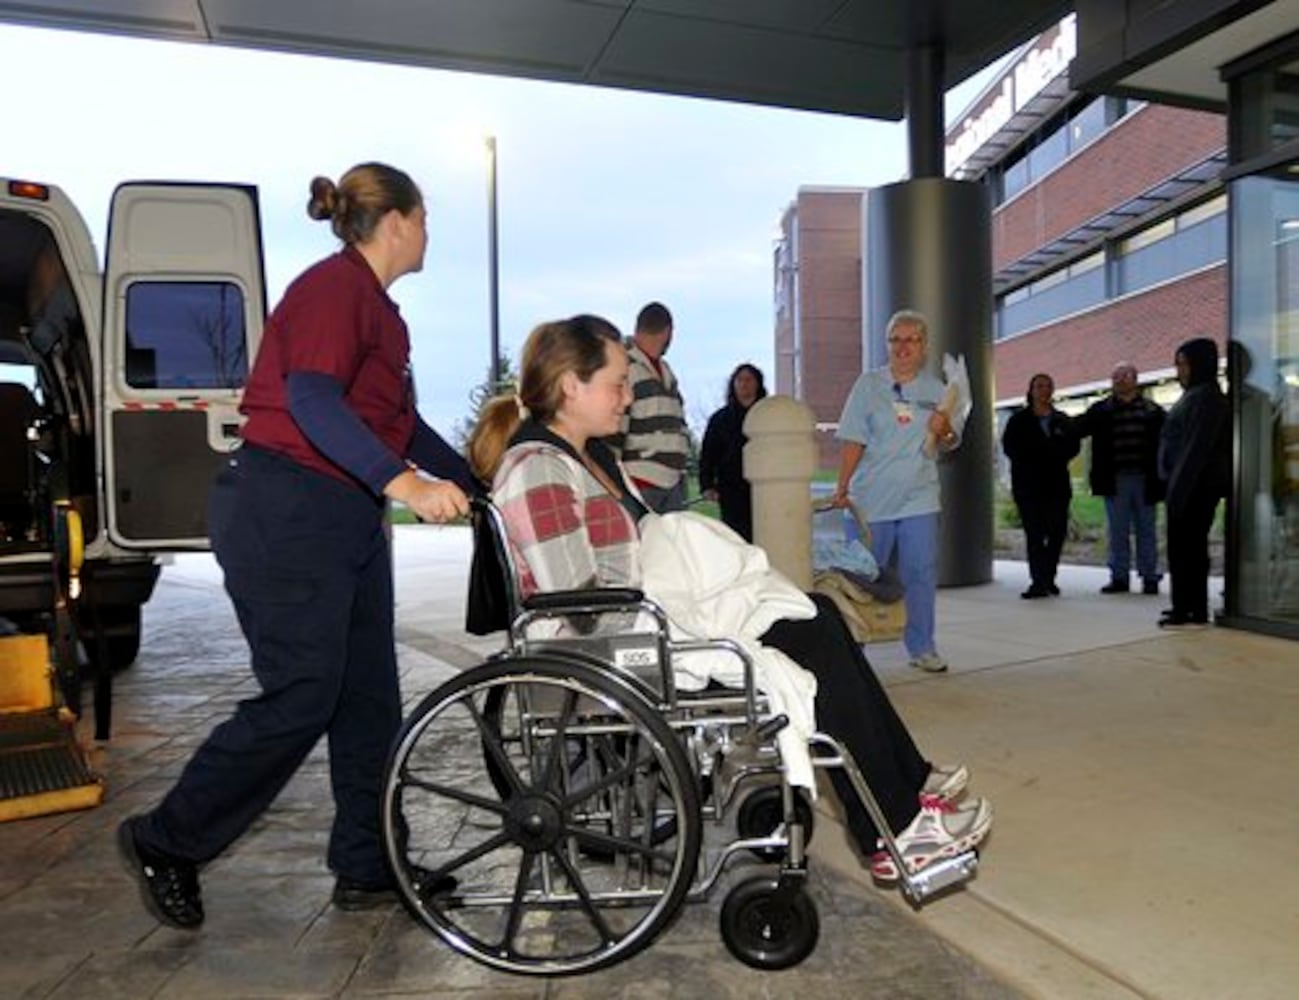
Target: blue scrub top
895, 478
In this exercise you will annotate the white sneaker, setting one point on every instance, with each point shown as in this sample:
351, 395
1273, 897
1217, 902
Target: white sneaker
940, 830
931, 663
945, 781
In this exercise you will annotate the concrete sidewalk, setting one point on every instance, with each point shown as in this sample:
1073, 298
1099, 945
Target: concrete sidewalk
72, 924
1144, 791
1144, 843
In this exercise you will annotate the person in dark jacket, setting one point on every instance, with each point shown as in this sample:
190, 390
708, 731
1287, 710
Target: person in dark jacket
1039, 440
1195, 462
1124, 428
721, 457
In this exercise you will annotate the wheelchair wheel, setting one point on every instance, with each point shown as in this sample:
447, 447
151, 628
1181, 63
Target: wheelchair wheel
554, 832
766, 929
762, 812
588, 759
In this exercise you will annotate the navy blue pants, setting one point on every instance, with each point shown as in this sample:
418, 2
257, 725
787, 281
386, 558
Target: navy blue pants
307, 566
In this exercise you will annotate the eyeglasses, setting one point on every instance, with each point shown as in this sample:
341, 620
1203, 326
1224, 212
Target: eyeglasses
906, 340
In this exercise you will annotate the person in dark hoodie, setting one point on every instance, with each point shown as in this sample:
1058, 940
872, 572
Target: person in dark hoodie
1195, 463
1039, 440
721, 457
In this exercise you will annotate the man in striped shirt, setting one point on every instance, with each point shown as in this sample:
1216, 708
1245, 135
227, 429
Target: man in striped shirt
654, 443
1124, 429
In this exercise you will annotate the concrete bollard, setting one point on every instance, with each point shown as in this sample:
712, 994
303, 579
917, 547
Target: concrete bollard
779, 462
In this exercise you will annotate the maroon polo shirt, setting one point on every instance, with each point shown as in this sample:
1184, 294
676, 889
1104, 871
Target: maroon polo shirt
335, 319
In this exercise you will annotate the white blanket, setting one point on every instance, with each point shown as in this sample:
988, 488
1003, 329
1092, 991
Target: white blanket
713, 584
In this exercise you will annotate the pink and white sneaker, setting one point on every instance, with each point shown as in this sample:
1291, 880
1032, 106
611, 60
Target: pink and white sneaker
940, 830
945, 781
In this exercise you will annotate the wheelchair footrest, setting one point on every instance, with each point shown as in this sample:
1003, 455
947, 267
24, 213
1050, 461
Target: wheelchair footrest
940, 875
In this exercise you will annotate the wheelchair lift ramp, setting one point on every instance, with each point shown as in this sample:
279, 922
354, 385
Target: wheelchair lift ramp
43, 769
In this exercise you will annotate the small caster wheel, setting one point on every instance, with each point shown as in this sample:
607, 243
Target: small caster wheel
768, 930
761, 812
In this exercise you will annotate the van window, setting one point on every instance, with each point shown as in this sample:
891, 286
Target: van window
185, 335
21, 374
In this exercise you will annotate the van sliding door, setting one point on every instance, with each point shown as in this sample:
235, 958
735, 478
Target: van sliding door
184, 301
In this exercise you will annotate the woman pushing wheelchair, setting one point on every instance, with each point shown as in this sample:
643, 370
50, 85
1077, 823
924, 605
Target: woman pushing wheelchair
573, 520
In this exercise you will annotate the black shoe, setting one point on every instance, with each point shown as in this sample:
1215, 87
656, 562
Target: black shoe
1178, 620
353, 895
1034, 592
1053, 590
1150, 587
169, 888
1116, 587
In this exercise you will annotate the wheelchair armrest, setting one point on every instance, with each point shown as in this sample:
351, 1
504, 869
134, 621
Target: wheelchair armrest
607, 597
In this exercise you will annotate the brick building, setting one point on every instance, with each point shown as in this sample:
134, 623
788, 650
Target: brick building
1114, 251
1120, 227
818, 303
1109, 241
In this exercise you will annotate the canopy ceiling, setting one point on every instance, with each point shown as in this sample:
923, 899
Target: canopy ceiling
845, 56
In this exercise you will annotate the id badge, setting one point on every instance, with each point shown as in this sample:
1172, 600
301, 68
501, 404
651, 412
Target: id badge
903, 412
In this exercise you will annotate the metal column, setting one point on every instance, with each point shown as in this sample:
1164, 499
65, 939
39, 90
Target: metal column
928, 248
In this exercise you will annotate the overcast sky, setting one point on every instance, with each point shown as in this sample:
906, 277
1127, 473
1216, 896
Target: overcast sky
607, 199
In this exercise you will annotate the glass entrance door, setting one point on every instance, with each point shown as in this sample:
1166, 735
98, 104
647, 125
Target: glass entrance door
1264, 568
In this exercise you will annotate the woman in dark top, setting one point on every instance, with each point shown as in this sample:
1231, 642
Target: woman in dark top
721, 459
1039, 440
1195, 462
297, 523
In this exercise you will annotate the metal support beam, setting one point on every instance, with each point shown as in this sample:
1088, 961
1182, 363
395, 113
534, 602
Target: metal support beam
915, 261
924, 101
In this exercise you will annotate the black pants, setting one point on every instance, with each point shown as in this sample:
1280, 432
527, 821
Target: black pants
736, 503
1188, 555
1046, 522
852, 706
307, 566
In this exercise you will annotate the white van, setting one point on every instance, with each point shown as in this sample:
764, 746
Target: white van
119, 390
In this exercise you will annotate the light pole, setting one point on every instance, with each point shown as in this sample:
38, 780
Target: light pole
493, 291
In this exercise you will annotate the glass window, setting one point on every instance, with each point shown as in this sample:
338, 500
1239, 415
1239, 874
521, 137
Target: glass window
185, 335
22, 374
1060, 293
1014, 178
1087, 123
1203, 211
1179, 245
1050, 280
1263, 579
1051, 150
1088, 263
1151, 234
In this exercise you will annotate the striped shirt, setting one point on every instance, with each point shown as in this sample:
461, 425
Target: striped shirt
1130, 438
653, 444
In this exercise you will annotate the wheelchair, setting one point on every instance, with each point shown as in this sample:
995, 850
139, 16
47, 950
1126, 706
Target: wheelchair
574, 831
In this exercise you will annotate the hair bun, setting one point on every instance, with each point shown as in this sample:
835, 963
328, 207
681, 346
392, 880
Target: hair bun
324, 199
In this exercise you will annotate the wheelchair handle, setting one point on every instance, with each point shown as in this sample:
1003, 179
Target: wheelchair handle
771, 727
604, 597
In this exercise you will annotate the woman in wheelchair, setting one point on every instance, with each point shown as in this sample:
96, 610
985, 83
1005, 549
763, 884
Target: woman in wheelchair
572, 517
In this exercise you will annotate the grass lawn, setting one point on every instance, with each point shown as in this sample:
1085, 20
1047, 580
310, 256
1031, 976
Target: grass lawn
1085, 545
